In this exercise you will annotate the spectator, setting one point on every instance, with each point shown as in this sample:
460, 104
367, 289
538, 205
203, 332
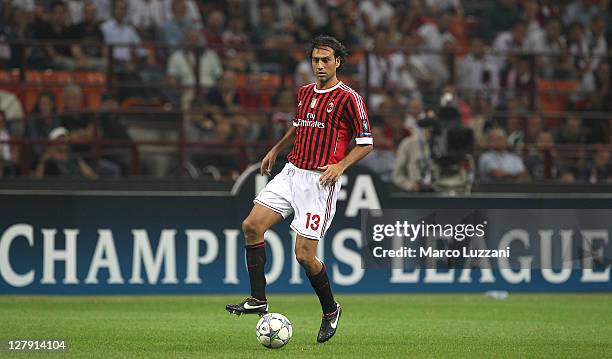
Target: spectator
578, 47
215, 23
8, 158
112, 128
316, 13
42, 120
435, 6
599, 171
81, 126
379, 66
518, 80
13, 110
572, 132
533, 129
596, 41
409, 72
341, 29
382, 159
501, 16
414, 18
499, 164
531, 13
237, 55
581, 11
173, 30
272, 35
549, 9
118, 31
552, 42
78, 123
377, 14
93, 55
478, 70
104, 9
595, 87
192, 12
18, 28
282, 117
55, 30
225, 94
5, 148
436, 37
182, 68
75, 10
543, 163
58, 159
303, 73
508, 43
146, 16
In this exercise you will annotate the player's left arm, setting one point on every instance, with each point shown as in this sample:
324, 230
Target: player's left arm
333, 172
357, 117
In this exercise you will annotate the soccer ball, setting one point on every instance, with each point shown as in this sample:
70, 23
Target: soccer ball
273, 330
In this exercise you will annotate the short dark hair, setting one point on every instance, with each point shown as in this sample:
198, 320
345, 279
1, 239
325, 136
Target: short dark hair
331, 42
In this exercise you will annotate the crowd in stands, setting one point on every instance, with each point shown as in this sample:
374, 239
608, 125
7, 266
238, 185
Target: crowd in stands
531, 78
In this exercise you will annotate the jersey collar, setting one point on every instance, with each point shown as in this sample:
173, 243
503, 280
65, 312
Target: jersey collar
327, 90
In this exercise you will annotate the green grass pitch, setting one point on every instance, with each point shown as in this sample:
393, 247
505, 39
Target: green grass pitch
372, 326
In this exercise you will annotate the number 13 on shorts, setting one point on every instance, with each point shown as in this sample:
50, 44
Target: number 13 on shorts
312, 220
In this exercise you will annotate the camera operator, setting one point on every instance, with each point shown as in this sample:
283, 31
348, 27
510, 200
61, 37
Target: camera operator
414, 165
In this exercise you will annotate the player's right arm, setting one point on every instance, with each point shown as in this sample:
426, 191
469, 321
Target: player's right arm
270, 158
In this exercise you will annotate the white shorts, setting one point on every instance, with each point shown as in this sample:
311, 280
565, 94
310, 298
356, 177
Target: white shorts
299, 191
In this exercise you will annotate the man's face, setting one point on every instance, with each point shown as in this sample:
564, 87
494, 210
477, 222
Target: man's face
89, 13
602, 157
497, 141
73, 102
120, 10
324, 64
545, 141
59, 14
179, 9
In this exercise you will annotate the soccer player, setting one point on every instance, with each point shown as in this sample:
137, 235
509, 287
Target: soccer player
329, 115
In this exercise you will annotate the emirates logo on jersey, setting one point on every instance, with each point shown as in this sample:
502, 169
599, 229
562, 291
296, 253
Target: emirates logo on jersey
330, 107
307, 123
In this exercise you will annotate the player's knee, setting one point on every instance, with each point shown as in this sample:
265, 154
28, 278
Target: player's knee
304, 256
251, 228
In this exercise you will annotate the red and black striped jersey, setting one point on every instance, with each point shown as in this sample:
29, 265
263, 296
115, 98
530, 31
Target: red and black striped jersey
326, 121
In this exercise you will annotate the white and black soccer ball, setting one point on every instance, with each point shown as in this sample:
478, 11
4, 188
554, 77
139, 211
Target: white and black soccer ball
273, 330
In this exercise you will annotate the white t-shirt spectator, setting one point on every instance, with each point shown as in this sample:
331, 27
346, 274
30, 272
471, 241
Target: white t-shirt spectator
181, 66
433, 39
443, 4
192, 14
505, 161
5, 148
316, 13
407, 71
75, 10
476, 73
121, 34
378, 14
104, 9
147, 13
577, 12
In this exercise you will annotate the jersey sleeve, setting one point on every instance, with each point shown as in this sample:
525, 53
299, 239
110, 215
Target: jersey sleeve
358, 120
298, 104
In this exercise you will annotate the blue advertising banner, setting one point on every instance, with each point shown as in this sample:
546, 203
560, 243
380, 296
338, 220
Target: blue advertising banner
179, 244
